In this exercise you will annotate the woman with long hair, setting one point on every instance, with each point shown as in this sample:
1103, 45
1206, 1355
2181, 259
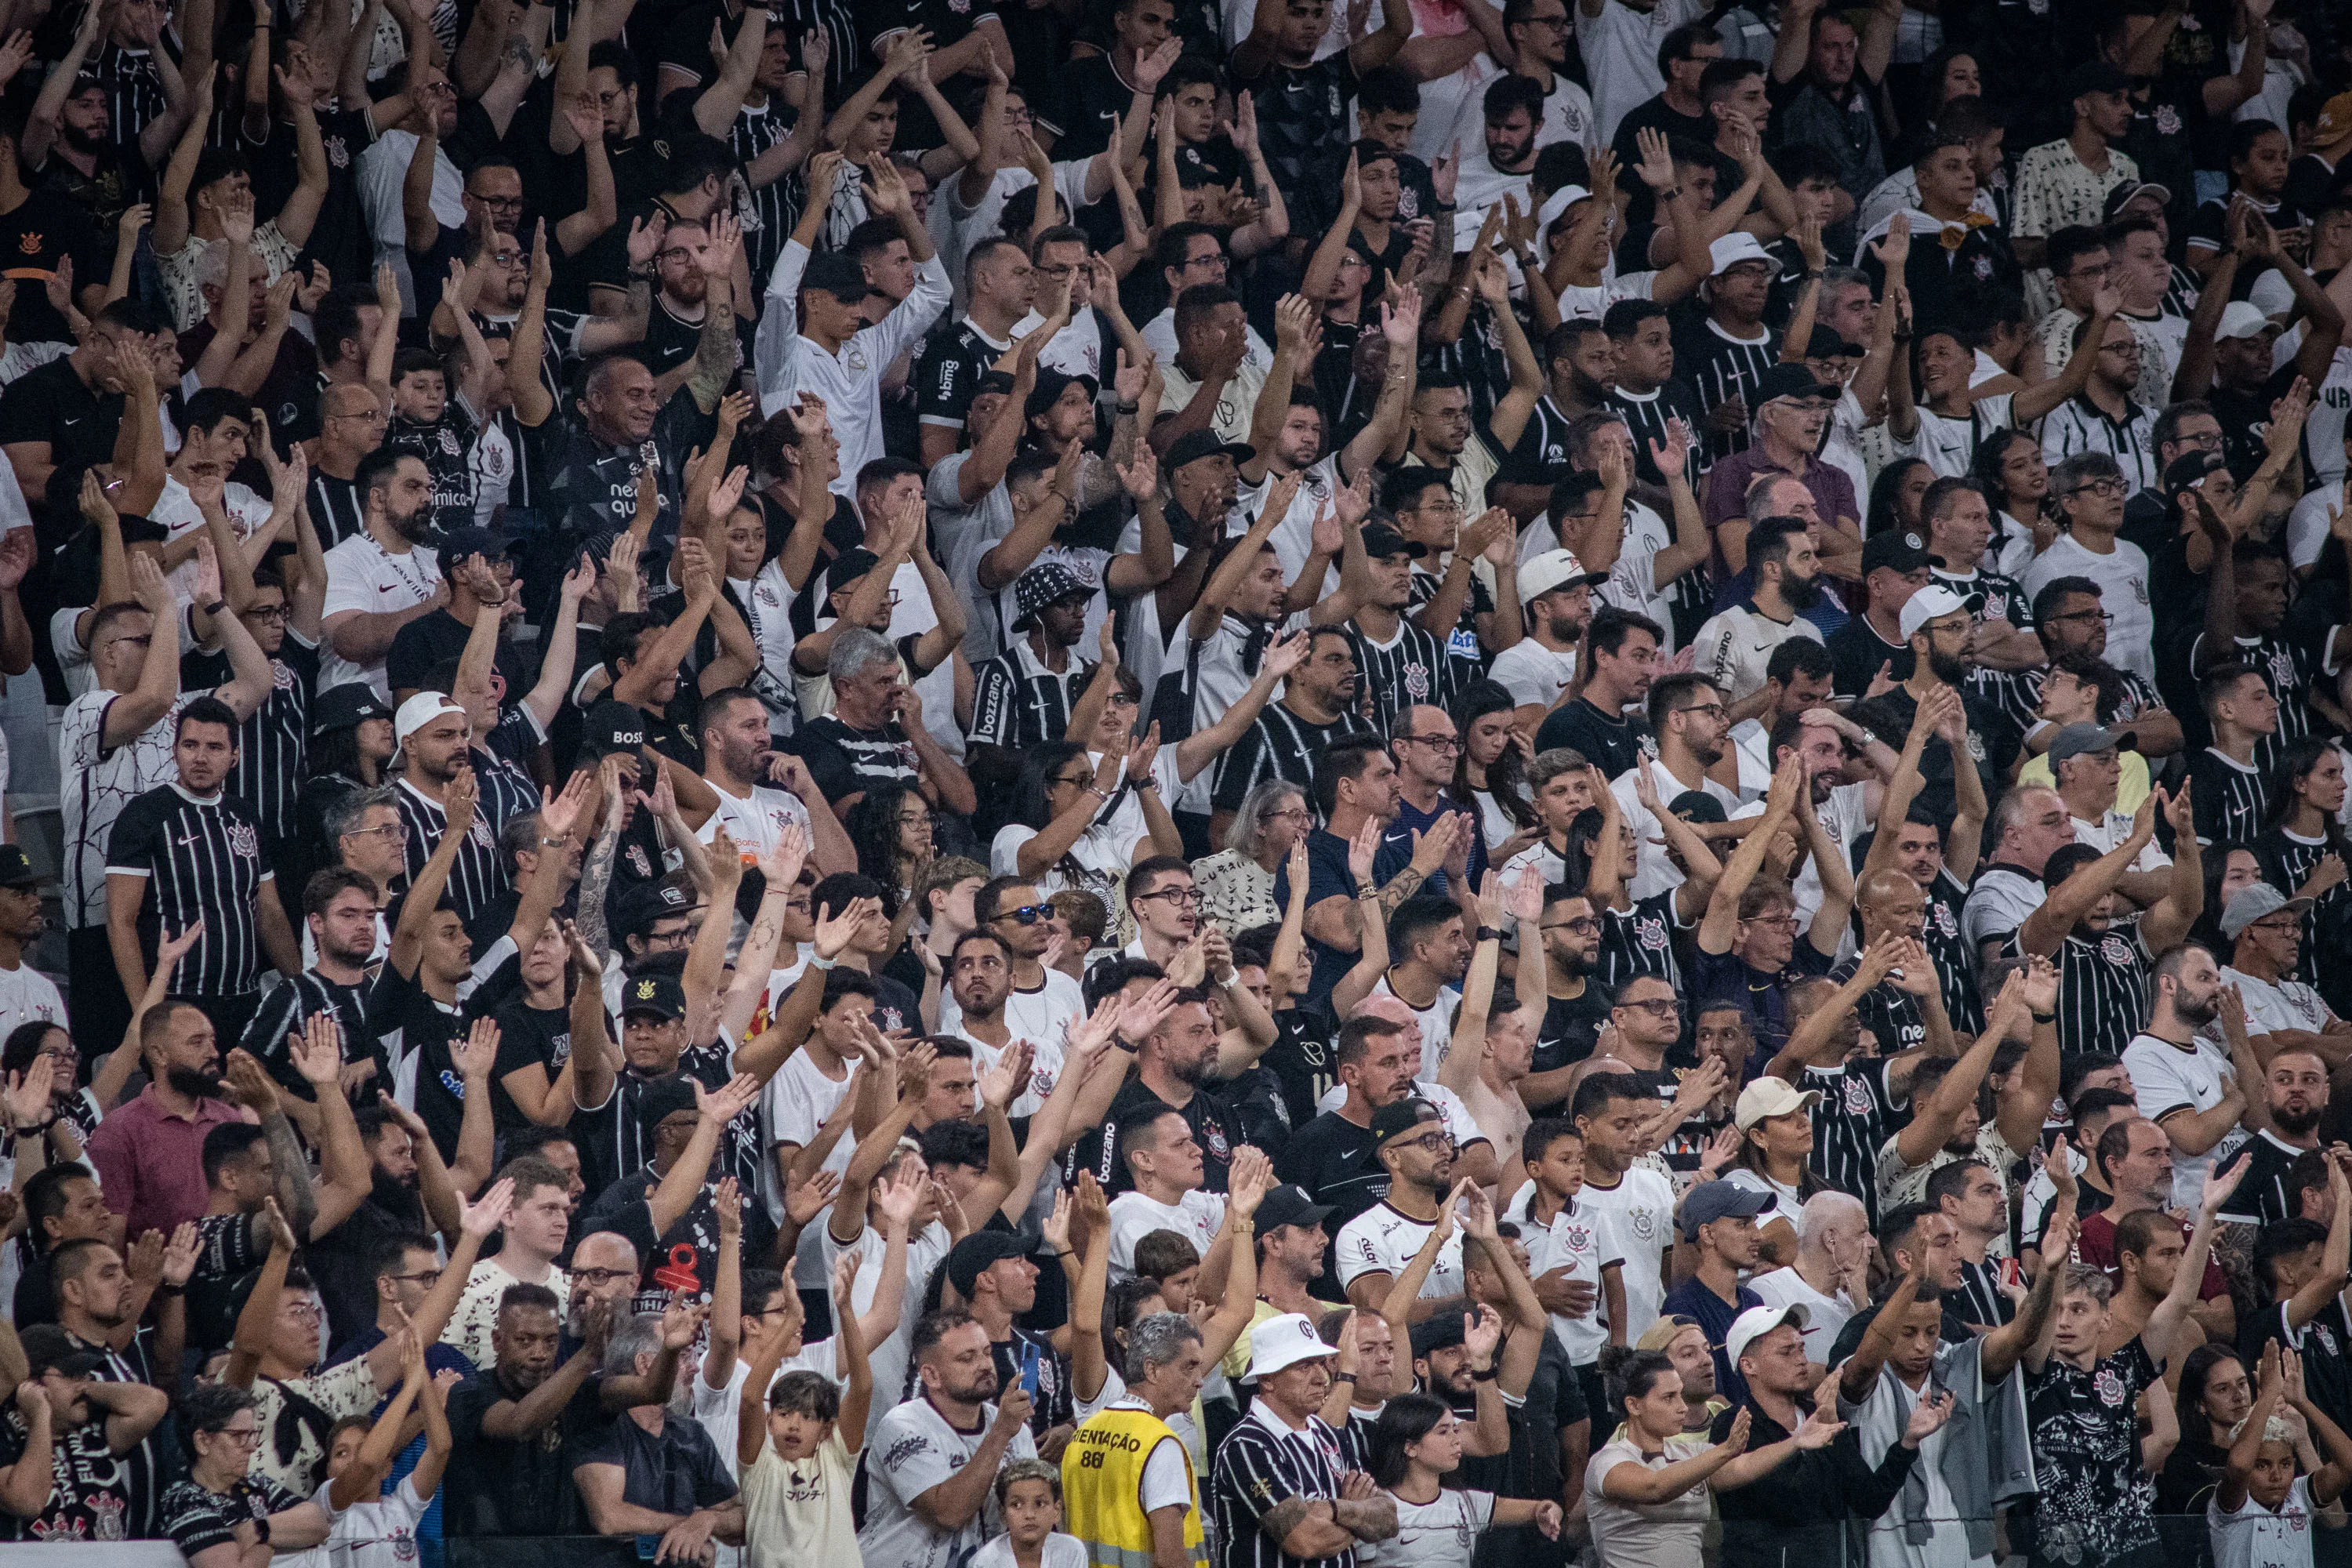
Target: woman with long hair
2214, 1396
2302, 853
1894, 498
761, 592
1492, 769
1237, 883
1064, 829
1776, 1156
2229, 865
1416, 1444
2016, 479
891, 830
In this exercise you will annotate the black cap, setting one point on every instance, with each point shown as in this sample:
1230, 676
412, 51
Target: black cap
1696, 805
1438, 1331
1052, 384
1786, 380
659, 995
1895, 549
613, 726
991, 381
1194, 444
1381, 541
646, 902
1400, 1117
972, 1256
1290, 1204
2189, 468
346, 707
664, 1098
460, 542
848, 567
838, 276
2095, 76
17, 868
1826, 343
48, 1348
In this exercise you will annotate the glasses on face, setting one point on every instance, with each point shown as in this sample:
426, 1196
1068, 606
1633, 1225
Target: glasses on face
1079, 781
1582, 924
1445, 743
1435, 1142
2202, 440
2292, 923
265, 613
1027, 914
305, 1310
427, 1277
394, 831
1657, 1007
596, 1278
1290, 814
1181, 897
1710, 710
365, 416
2084, 616
914, 822
242, 1436
2105, 488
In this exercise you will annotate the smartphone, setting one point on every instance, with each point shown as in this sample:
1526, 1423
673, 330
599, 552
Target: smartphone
2012, 1276
1029, 1360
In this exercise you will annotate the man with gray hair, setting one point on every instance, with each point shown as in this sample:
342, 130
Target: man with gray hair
875, 735
1126, 1476
653, 1473
1830, 1278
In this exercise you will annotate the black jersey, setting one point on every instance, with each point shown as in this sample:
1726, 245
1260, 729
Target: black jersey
201, 859
1719, 367
2228, 797
1017, 702
445, 447
273, 746
1278, 745
308, 995
480, 875
2103, 989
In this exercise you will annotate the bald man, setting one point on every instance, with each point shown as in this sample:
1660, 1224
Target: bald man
351, 421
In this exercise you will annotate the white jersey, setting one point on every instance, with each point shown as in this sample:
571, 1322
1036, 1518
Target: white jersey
27, 996
1640, 1211
912, 1451
926, 1250
757, 822
2167, 1078
1532, 673
177, 510
1195, 1217
1042, 1016
1620, 55
2251, 1536
2122, 577
96, 783
1582, 1241
1440, 1534
1383, 1240
1825, 1316
364, 575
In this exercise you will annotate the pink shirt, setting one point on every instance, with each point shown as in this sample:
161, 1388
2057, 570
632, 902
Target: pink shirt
151, 1160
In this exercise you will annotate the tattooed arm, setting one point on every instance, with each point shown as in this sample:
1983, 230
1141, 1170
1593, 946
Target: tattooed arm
596, 871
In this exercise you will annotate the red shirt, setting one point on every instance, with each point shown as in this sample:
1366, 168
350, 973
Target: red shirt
151, 1160
2095, 1244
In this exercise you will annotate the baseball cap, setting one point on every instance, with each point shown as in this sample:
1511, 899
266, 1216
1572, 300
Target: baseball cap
1558, 202
848, 567
17, 868
838, 276
1712, 1201
2242, 319
420, 711
1289, 1204
1664, 1329
1734, 248
1438, 1331
1285, 1340
2255, 900
613, 726
1895, 549
2189, 468
1932, 601
1554, 570
1400, 1117
2095, 76
1755, 1323
1770, 1097
346, 707
2334, 120
1381, 541
2075, 739
1788, 381
48, 1348
1696, 805
659, 995
1052, 384
1827, 344
2124, 196
1194, 444
639, 907
460, 542
663, 1099
1042, 586
970, 1257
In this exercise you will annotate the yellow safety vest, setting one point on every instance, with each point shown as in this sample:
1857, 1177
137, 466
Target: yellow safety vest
1102, 1489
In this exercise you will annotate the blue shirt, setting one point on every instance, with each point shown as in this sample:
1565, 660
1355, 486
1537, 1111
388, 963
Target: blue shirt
1396, 845
1692, 1299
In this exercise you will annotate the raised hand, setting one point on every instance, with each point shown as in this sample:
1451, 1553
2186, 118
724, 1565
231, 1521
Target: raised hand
484, 1215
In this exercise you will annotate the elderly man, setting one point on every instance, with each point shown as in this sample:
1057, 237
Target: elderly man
653, 1473
2266, 928
1127, 1484
1790, 410
1277, 1478
2086, 761
864, 743
1830, 1278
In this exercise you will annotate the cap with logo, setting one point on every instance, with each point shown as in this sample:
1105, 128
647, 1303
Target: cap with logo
1552, 571
346, 707
2334, 122
659, 995
1931, 602
1042, 586
420, 711
460, 542
1696, 805
640, 906
1285, 1340
17, 868
1897, 550
1755, 1322
1381, 541
1289, 1204
2254, 902
1664, 1330
1400, 1117
2190, 467
613, 726
2076, 740
48, 1348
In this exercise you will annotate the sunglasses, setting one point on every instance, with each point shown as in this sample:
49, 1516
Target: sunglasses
1027, 914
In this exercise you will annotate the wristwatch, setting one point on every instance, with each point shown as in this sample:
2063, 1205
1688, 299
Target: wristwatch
214, 608
1486, 933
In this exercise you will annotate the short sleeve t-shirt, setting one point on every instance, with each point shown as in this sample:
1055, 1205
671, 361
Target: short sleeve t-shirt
916, 1449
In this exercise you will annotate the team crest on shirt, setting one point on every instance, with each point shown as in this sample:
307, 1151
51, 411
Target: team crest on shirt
2114, 950
857, 359
637, 861
1976, 746
480, 833
1332, 104
1650, 932
1944, 921
2110, 1388
243, 841
449, 442
1407, 203
1857, 1097
2283, 669
2326, 1337
1578, 1237
1644, 1223
337, 152
1216, 1145
280, 677
767, 597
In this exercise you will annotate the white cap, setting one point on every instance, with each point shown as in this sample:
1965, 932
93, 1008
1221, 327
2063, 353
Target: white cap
420, 711
2241, 319
1928, 603
1736, 247
1558, 202
1284, 1341
2272, 294
1755, 1323
1539, 575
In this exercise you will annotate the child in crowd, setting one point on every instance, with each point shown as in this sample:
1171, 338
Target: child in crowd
1029, 1495
372, 1528
2261, 1515
798, 1458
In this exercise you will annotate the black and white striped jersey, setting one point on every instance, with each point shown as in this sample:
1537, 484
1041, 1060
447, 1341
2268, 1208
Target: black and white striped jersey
1410, 668
1279, 745
1639, 940
2079, 424
1017, 702
201, 859
1719, 367
2286, 667
336, 510
289, 1007
2101, 985
2287, 860
2263, 1196
618, 1137
273, 745
752, 132
1261, 1463
477, 878
134, 90
1982, 1303
502, 778
1851, 1123
1646, 415
1949, 950
2004, 600
2230, 797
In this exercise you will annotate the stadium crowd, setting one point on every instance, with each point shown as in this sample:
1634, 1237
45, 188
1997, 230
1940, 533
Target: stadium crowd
1132, 783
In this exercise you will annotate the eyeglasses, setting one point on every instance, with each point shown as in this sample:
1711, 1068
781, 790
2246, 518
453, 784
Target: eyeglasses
2107, 616
1660, 1006
1291, 814
593, 1278
2105, 488
428, 1277
501, 204
1027, 914
1182, 898
1435, 1142
2290, 923
1435, 742
365, 416
1078, 781
394, 831
914, 822
242, 1436
1711, 710
306, 1310
1581, 923
266, 612
1784, 922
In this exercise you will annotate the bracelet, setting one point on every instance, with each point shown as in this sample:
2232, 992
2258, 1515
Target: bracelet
1067, 1252
214, 608
1335, 1509
1129, 407
1146, 782
1367, 892
2050, 1017
166, 1288
817, 961
1486, 1376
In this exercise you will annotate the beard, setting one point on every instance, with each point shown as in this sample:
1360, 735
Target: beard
417, 528
1708, 753
193, 1084
1947, 669
1191, 1072
1802, 593
389, 1193
2296, 1124
81, 140
2198, 1011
